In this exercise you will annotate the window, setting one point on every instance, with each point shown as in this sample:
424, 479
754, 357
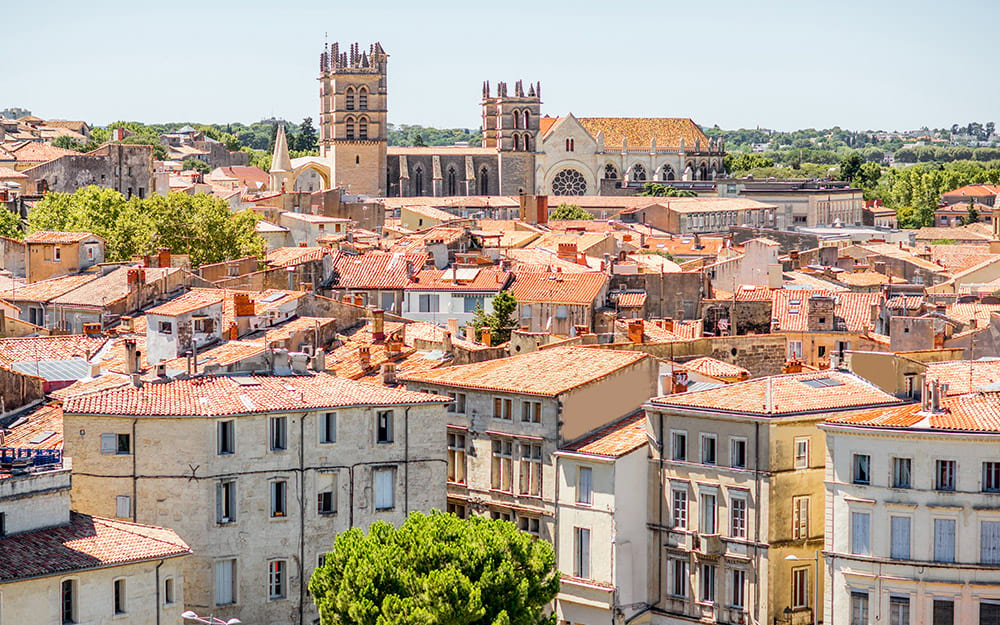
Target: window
503, 461
458, 509
327, 502
738, 453
279, 497
800, 587
385, 489
679, 510
383, 426
794, 350
859, 607
429, 303
708, 513
225, 582
737, 517
562, 312
320, 560
860, 533
279, 433
531, 412
123, 506
899, 537
457, 405
569, 182
328, 428
203, 325
456, 458
363, 99
610, 173
989, 612
452, 182
502, 408
120, 444
570, 144
678, 446
473, 303
989, 542
525, 311
902, 473
584, 486
225, 501
678, 578
800, 517
944, 540
531, 469
802, 453
708, 448
56, 254
862, 469
68, 602
168, 591
945, 475
350, 127
944, 612
276, 579
638, 172
349, 99
166, 327
119, 585
226, 439
501, 515
991, 477
737, 588
581, 552
708, 583
517, 142
530, 524
899, 610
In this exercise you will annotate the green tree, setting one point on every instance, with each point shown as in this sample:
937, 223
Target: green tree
436, 569
850, 166
743, 163
972, 216
306, 140
10, 224
67, 142
655, 189
104, 212
501, 321
195, 164
569, 211
202, 226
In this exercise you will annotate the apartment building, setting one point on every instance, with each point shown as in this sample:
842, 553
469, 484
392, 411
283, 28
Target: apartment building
913, 523
257, 473
737, 501
60, 253
509, 416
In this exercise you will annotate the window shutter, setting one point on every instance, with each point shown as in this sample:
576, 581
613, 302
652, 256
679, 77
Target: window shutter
383, 489
990, 551
859, 538
585, 489
109, 443
944, 540
218, 502
900, 531
224, 582
123, 507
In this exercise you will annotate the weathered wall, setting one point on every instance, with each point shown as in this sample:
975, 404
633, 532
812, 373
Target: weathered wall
667, 293
760, 354
787, 240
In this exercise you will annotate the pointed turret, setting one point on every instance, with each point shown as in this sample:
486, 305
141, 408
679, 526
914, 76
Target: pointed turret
280, 160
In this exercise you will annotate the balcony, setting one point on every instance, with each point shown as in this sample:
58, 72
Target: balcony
18, 461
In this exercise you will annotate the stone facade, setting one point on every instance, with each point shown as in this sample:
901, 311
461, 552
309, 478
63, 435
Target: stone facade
127, 169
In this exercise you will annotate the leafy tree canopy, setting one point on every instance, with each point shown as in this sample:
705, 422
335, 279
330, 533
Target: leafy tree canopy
569, 211
655, 189
501, 321
195, 164
437, 569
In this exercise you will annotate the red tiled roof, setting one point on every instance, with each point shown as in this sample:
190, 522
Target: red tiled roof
91, 385
190, 301
963, 376
715, 368
288, 256
47, 290
558, 287
615, 439
973, 412
65, 238
546, 372
790, 309
790, 394
749, 293
209, 396
976, 190
376, 270
224, 354
46, 419
110, 287
491, 280
61, 347
34, 152
972, 310
632, 300
86, 543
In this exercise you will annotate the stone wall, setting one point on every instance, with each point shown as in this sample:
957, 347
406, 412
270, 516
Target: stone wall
127, 169
787, 240
760, 354
744, 317
667, 293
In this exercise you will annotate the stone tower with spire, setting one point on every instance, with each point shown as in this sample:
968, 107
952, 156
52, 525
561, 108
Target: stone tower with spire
281, 162
353, 121
510, 126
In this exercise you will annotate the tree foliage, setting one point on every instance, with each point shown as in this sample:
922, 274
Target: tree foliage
655, 189
972, 215
10, 224
501, 322
306, 140
436, 569
570, 211
195, 164
200, 225
739, 164
413, 135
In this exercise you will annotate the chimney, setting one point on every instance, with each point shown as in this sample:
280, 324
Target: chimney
567, 251
92, 329
126, 324
635, 331
136, 380
365, 357
242, 305
389, 374
303, 244
446, 345
453, 327
131, 357
163, 256
319, 360
234, 331
486, 336
874, 310
679, 381
378, 325
470, 333
394, 346
792, 366
580, 330
95, 369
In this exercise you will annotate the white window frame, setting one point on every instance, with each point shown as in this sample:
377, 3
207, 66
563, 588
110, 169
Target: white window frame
328, 434
800, 517
581, 552
708, 515
384, 477
457, 454
709, 442
708, 573
989, 540
385, 427
802, 445
277, 579
279, 498
277, 433
734, 442
676, 435
800, 595
679, 515
220, 433
738, 509
897, 463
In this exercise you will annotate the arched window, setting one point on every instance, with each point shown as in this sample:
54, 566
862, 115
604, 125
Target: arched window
517, 119
517, 142
350, 127
418, 181
610, 172
703, 172
452, 182
638, 172
569, 182
484, 182
570, 145
349, 99
527, 142
524, 122
363, 98
363, 128
667, 173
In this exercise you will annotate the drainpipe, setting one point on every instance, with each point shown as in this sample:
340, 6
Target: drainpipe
158, 591
302, 520
406, 461
659, 506
135, 479
756, 525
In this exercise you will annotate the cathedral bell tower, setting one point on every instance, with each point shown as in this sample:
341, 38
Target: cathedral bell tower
353, 113
510, 126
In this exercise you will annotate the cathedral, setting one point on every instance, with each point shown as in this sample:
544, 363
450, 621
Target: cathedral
521, 152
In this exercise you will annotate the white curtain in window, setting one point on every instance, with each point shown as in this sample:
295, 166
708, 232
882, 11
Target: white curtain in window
990, 552
900, 531
860, 525
944, 540
224, 582
383, 489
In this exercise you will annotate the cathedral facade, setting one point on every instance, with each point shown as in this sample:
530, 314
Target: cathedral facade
521, 151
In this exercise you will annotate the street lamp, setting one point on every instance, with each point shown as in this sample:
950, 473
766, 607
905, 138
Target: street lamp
815, 559
191, 616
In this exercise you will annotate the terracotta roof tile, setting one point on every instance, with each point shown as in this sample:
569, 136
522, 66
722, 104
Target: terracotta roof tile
716, 368
488, 280
110, 287
42, 428
973, 412
86, 543
638, 131
48, 290
972, 310
963, 376
91, 385
852, 311
60, 347
615, 439
289, 256
34, 152
376, 270
632, 300
547, 372
558, 287
209, 396
190, 301
50, 236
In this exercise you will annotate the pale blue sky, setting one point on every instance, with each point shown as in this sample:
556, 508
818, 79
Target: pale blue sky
876, 64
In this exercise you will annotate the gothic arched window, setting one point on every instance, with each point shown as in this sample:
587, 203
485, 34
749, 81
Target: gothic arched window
610, 172
517, 119
484, 182
667, 173
524, 122
363, 98
569, 182
703, 172
517, 142
638, 172
418, 181
349, 99
527, 142
363, 128
349, 125
452, 182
